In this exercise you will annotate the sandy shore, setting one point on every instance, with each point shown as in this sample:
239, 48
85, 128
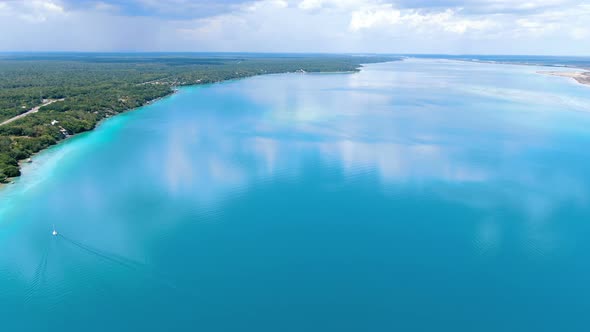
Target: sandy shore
581, 77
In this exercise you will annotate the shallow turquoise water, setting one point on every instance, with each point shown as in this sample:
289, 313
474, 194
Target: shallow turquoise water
421, 195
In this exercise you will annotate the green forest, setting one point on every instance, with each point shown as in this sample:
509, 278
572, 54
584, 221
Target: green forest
96, 86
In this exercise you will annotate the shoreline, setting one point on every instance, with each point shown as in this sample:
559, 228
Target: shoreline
580, 77
530, 64
174, 90
22, 162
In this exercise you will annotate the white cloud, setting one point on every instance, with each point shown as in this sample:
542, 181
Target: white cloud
258, 5
32, 11
580, 33
310, 4
334, 4
401, 26
385, 16
377, 16
103, 6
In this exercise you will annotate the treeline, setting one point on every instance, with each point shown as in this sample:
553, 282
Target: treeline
96, 86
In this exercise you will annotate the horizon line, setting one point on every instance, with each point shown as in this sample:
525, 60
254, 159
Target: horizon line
291, 53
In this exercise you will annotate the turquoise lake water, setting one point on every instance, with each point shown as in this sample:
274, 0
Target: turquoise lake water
422, 195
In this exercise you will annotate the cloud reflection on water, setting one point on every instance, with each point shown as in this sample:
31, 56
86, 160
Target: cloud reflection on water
365, 130
406, 126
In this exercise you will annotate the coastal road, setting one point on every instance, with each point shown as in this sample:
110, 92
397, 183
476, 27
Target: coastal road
31, 111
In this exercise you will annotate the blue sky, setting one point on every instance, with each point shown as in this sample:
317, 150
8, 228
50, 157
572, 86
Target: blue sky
557, 27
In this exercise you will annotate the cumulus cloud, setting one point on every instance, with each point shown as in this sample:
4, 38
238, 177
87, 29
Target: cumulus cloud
392, 26
487, 6
386, 16
32, 11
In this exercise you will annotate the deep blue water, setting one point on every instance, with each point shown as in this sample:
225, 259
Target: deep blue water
423, 195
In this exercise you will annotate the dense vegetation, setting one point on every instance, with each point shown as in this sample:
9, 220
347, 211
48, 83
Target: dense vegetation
96, 86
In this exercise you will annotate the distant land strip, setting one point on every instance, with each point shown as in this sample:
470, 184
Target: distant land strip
580, 77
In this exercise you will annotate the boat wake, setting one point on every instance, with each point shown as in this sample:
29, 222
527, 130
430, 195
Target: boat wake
38, 277
130, 264
110, 257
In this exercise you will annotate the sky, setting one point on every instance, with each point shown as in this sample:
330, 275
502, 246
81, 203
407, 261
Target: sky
544, 27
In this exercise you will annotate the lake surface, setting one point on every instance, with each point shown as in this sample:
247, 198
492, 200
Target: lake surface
423, 195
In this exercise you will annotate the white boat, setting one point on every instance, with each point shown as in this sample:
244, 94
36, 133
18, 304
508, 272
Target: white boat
54, 233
